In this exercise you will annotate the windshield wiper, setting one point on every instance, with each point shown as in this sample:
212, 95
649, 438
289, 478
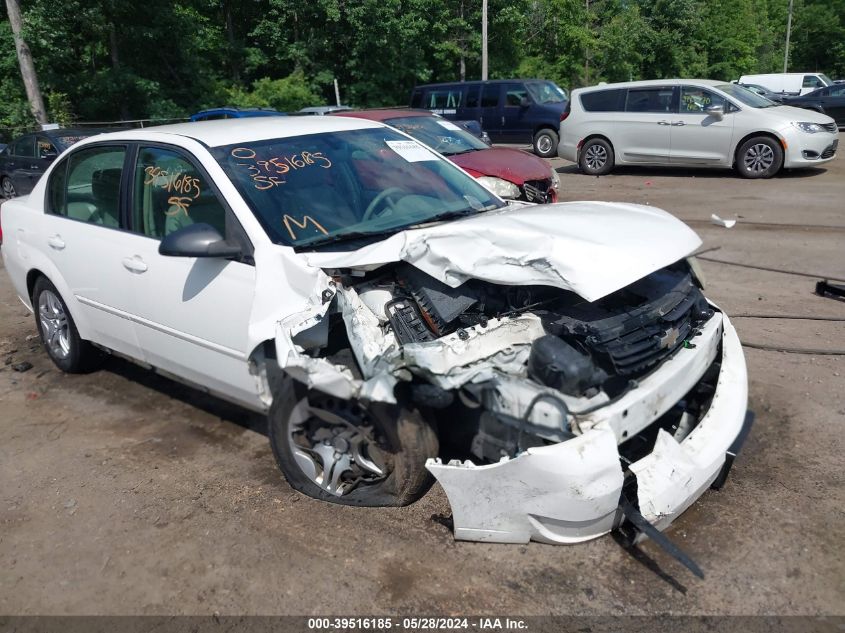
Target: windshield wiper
463, 151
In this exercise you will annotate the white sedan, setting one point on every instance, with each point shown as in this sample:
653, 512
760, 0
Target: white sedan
386, 310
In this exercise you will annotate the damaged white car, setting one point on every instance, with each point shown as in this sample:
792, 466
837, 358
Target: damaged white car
556, 368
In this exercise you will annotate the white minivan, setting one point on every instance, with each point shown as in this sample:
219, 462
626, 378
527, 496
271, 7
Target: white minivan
788, 83
691, 123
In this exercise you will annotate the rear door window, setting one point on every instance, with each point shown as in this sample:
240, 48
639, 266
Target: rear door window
25, 147
659, 99
86, 186
604, 100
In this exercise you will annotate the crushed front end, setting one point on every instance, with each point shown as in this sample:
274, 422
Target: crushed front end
552, 409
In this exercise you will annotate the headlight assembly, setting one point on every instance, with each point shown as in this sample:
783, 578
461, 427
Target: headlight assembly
810, 128
555, 181
697, 272
501, 188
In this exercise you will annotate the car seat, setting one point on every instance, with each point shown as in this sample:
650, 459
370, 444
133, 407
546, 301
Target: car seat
105, 192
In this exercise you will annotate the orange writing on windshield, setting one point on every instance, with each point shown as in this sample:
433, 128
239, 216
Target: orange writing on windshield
306, 219
267, 173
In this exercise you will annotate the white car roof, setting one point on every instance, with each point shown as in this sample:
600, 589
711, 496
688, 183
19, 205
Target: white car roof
656, 82
242, 130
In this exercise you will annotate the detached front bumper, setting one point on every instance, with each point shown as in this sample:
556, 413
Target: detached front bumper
570, 492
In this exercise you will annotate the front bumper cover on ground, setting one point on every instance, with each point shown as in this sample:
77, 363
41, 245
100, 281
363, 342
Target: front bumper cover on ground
570, 492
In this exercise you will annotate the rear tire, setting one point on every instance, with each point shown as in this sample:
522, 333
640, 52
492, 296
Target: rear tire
8, 189
347, 453
596, 157
545, 143
759, 157
58, 332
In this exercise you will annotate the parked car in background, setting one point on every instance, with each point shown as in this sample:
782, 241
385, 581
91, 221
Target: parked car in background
692, 123
763, 92
509, 110
322, 110
788, 83
377, 303
509, 173
829, 100
226, 112
24, 160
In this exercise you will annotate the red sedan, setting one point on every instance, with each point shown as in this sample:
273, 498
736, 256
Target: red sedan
509, 173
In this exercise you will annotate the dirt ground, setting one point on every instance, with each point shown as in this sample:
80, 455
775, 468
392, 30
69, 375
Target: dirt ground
124, 493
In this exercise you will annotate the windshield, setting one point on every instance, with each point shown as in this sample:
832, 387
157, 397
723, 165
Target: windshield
320, 188
746, 96
546, 92
827, 80
441, 135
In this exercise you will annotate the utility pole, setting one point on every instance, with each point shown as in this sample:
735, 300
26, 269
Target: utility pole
788, 31
483, 39
587, 49
30, 79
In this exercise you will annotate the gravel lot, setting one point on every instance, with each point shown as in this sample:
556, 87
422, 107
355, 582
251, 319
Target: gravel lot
124, 493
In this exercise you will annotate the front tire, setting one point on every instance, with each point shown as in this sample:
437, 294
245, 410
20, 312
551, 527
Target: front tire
596, 157
339, 451
759, 157
545, 143
58, 332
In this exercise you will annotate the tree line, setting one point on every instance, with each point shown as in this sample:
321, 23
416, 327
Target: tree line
104, 60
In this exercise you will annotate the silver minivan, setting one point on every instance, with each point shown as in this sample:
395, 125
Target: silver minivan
691, 122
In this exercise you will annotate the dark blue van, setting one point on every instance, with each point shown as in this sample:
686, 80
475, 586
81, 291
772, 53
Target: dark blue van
509, 110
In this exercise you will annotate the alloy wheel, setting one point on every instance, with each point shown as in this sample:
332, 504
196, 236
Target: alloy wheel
332, 443
759, 158
595, 157
8, 189
54, 325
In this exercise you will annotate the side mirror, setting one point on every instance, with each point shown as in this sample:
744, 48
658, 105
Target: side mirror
524, 102
197, 240
715, 110
49, 155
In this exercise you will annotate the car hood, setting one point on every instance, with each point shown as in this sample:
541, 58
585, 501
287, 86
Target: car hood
512, 165
790, 113
590, 248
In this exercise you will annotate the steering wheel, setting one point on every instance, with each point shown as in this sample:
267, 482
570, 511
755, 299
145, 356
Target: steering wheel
381, 197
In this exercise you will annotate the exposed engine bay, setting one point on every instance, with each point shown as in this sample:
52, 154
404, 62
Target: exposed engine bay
508, 364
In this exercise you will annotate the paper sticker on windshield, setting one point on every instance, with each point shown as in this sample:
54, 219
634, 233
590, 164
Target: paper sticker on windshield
449, 125
411, 151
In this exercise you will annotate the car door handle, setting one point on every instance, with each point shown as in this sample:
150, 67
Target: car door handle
677, 123
134, 264
503, 120
56, 242
663, 123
